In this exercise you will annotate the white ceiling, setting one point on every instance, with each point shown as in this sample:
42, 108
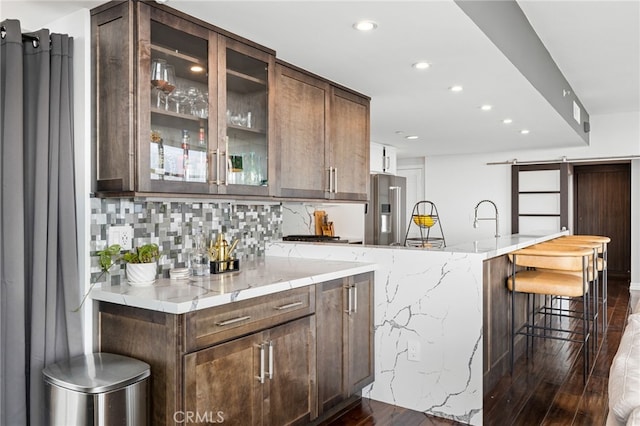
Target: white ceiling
596, 45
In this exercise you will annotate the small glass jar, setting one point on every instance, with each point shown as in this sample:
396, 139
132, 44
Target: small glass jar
199, 258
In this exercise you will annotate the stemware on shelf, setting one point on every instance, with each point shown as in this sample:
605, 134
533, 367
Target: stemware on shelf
163, 79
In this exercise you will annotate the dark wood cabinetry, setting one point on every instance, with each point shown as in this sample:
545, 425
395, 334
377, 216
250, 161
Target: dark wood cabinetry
210, 360
497, 320
183, 107
265, 378
179, 106
301, 129
271, 360
323, 134
349, 148
345, 341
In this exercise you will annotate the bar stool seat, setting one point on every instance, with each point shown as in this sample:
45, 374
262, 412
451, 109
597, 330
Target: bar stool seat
548, 282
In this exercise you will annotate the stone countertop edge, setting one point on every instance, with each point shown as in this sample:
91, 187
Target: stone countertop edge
271, 275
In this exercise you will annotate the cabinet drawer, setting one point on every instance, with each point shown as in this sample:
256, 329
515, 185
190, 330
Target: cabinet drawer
214, 325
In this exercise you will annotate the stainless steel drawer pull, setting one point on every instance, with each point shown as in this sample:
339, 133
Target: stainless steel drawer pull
232, 321
349, 300
288, 306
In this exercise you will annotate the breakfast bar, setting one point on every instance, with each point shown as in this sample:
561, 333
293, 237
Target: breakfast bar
432, 328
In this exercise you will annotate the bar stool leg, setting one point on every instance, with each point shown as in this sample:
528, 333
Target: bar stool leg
513, 312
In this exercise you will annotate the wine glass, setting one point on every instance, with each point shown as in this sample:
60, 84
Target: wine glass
163, 79
180, 97
158, 76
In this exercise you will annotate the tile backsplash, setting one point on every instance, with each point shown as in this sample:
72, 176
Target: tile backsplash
172, 224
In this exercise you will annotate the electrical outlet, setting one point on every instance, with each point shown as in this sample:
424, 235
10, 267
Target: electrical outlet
122, 235
413, 350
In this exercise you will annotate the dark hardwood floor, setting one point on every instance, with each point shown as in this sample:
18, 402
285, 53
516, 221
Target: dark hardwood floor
546, 389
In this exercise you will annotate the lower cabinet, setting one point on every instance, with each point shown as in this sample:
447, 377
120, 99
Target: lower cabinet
288, 358
344, 311
266, 378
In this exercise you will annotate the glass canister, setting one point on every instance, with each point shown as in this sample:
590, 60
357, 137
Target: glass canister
199, 258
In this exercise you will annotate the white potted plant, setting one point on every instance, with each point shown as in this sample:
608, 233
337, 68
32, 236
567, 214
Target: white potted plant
141, 262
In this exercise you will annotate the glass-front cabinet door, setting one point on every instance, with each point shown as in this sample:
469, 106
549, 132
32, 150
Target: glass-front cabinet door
177, 89
245, 74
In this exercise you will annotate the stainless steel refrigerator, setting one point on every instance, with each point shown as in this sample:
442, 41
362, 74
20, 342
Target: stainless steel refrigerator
385, 216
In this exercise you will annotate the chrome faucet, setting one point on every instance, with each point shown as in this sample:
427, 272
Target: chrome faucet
476, 219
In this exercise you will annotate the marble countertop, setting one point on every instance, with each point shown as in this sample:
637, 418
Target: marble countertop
265, 276
485, 248
493, 247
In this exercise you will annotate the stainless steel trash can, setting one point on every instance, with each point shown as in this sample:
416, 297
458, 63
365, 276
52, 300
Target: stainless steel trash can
97, 389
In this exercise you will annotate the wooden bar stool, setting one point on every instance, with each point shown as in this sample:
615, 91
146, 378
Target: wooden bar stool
554, 275
602, 268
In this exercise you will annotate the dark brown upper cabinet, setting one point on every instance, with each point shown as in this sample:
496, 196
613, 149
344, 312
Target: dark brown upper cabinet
323, 136
179, 107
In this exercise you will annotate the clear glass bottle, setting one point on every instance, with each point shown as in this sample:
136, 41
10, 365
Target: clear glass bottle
199, 259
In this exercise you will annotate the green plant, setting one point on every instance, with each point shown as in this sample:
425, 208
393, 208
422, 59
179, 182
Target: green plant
146, 253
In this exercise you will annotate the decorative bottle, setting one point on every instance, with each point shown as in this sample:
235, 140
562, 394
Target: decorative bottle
199, 259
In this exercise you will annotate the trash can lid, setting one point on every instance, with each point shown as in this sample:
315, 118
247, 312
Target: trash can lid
96, 373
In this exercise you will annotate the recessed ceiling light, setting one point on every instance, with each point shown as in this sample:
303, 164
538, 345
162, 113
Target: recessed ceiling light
196, 68
411, 137
365, 25
486, 107
456, 88
507, 121
524, 132
422, 65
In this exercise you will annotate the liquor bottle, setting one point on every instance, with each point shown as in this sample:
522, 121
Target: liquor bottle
201, 137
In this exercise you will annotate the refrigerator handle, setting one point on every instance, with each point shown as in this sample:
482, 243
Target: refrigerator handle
396, 199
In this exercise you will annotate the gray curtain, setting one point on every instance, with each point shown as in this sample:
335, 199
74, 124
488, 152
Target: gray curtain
38, 244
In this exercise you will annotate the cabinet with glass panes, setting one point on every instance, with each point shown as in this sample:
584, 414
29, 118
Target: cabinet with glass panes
180, 108
244, 110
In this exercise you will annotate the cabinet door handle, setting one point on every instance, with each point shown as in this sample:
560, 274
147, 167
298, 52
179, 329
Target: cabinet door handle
261, 376
387, 163
348, 311
226, 161
335, 180
288, 306
232, 321
330, 169
218, 166
270, 373
355, 299
212, 154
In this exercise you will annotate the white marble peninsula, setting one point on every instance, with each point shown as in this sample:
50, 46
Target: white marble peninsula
433, 299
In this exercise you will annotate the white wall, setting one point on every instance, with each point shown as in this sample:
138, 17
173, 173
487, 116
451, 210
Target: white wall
78, 26
456, 183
